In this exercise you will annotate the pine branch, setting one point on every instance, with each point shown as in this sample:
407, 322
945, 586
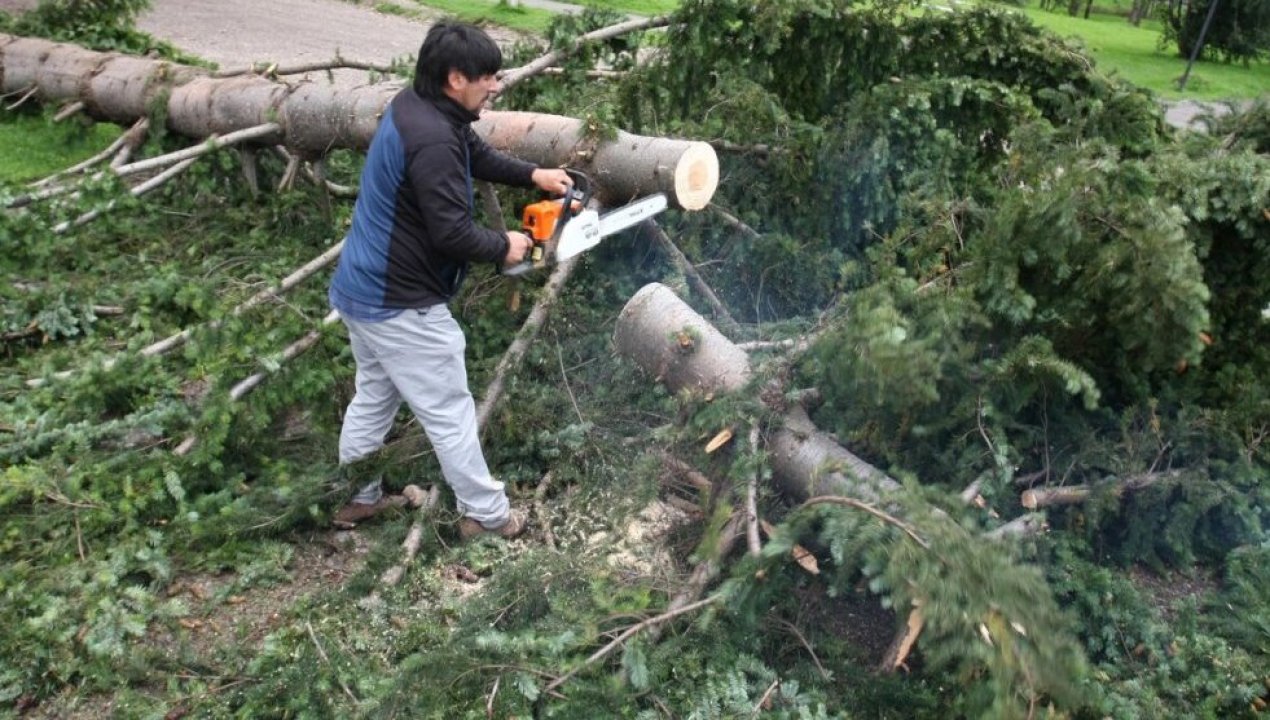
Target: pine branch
174, 341
629, 633
870, 509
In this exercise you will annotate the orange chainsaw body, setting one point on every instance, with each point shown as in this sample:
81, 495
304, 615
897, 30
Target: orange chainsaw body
539, 219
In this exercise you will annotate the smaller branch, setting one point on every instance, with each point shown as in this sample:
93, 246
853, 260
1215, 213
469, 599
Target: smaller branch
628, 633
237, 392
751, 501
327, 660
793, 629
290, 352
590, 74
68, 111
690, 271
137, 191
564, 377
29, 94
334, 189
515, 75
79, 539
758, 345
528, 331
1020, 527
272, 69
489, 702
765, 701
879, 514
178, 339
414, 540
1077, 494
735, 223
292, 171
213, 143
94, 160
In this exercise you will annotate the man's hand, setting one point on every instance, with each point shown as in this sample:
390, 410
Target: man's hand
553, 180
518, 245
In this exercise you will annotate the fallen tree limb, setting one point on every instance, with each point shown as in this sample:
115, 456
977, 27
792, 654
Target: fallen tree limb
751, 500
627, 634
131, 136
689, 270
510, 78
273, 70
176, 340
414, 539
870, 509
520, 345
136, 191
1077, 494
251, 382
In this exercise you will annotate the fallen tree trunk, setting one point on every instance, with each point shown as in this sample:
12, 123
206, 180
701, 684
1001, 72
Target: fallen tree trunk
315, 118
672, 342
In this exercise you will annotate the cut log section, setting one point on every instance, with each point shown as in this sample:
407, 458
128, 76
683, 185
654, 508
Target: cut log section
671, 341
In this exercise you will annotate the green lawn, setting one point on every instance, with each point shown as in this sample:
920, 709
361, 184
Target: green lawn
1132, 53
35, 146
524, 19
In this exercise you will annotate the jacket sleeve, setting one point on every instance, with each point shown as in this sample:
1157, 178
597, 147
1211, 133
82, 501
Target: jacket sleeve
438, 179
494, 166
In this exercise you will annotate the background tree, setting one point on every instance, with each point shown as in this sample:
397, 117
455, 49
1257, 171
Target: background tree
1239, 31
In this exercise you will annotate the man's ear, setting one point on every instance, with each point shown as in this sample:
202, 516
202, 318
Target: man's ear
456, 80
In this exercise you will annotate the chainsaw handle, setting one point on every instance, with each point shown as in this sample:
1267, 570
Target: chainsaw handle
579, 193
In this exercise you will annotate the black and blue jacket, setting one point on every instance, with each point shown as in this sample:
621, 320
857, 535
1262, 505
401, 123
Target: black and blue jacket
413, 234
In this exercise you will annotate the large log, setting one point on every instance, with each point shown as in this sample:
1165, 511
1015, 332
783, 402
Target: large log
314, 118
672, 342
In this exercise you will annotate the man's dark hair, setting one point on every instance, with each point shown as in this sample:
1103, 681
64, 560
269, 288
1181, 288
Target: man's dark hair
454, 46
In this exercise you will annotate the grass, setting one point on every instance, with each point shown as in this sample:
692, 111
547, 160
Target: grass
35, 146
481, 12
1133, 54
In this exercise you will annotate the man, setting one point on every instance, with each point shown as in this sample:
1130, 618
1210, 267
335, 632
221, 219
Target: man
406, 254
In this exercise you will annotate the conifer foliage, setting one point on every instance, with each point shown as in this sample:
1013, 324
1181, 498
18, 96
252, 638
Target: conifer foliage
1013, 276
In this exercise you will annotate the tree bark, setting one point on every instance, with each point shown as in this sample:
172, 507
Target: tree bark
314, 118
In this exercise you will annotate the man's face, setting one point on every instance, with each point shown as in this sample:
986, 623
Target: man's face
472, 93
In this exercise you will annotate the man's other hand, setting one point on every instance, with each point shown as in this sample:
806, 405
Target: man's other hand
518, 245
553, 180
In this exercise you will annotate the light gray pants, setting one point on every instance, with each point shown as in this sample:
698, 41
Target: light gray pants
417, 356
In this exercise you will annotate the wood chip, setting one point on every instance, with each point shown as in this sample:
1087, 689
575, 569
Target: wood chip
724, 436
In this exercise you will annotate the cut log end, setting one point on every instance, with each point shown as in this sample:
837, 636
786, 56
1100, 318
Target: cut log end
696, 176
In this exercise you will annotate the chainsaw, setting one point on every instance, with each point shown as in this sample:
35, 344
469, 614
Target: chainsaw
566, 223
